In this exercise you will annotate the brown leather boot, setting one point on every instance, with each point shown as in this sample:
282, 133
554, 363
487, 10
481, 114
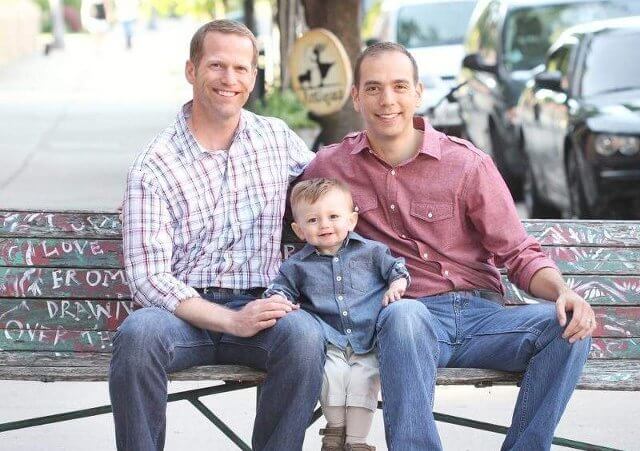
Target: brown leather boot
359, 447
333, 438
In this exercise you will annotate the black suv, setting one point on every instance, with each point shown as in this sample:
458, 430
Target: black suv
505, 46
580, 120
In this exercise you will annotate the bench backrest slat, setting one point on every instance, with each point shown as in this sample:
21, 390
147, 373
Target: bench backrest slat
60, 224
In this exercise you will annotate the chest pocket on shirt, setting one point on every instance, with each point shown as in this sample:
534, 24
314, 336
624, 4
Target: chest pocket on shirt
362, 275
433, 220
364, 202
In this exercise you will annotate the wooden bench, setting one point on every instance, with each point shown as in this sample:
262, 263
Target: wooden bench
63, 293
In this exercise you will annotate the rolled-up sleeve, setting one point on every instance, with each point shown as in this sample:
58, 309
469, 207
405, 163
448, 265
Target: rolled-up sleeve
491, 209
392, 268
283, 285
148, 246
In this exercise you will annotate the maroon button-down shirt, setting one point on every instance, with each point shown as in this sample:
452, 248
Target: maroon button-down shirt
447, 211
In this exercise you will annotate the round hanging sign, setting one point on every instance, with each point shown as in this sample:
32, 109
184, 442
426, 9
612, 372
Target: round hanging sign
320, 71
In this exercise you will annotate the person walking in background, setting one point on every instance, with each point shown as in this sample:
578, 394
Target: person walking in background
127, 14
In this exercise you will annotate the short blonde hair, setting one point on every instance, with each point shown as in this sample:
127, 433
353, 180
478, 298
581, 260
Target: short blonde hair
309, 191
224, 26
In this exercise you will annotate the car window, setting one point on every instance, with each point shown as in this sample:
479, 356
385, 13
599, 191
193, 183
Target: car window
612, 63
559, 60
432, 24
529, 32
483, 36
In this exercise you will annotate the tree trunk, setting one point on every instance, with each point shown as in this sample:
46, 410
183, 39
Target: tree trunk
290, 22
342, 18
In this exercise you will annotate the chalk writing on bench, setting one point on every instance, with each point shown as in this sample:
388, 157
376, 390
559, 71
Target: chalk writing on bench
25, 332
19, 282
71, 222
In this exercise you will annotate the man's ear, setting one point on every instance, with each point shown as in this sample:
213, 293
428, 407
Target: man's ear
190, 71
298, 231
353, 220
419, 91
354, 98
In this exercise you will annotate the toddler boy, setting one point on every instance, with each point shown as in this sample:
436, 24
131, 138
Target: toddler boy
344, 280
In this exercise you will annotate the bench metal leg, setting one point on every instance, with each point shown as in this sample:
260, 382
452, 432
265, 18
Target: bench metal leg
466, 422
193, 395
187, 395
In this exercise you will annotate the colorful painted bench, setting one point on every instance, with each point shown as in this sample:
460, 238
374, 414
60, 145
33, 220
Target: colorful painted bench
63, 293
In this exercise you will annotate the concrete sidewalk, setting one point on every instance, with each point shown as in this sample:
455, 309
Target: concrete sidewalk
70, 126
72, 122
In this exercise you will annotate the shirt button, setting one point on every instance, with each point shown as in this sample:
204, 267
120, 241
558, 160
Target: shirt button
348, 331
344, 313
393, 172
338, 278
430, 215
336, 259
393, 207
425, 255
446, 273
340, 298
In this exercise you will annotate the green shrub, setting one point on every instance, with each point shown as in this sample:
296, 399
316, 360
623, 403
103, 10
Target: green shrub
284, 105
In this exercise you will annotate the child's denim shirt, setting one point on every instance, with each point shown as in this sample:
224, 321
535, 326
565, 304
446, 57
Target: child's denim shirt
343, 291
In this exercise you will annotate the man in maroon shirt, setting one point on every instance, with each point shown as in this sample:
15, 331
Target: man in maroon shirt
441, 204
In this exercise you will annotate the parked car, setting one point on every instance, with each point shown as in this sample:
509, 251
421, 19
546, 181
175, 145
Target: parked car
580, 121
433, 31
506, 41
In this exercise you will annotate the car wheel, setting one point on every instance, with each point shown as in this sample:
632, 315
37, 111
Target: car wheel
514, 181
577, 202
537, 207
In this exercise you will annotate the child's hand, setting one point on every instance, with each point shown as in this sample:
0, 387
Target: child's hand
395, 292
277, 297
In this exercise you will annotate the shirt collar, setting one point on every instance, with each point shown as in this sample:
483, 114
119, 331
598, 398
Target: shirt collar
430, 142
192, 149
351, 239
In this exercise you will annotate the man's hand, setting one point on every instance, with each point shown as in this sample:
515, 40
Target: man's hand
259, 315
583, 322
395, 292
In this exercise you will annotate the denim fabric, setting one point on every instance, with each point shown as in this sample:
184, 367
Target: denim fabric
344, 291
153, 342
457, 329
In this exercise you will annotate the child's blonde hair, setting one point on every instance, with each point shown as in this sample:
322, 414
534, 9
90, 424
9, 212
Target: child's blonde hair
311, 190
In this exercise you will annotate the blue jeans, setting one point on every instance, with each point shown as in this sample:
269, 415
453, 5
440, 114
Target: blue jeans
153, 342
463, 330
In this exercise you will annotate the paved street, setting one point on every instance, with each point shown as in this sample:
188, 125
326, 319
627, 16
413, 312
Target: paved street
70, 125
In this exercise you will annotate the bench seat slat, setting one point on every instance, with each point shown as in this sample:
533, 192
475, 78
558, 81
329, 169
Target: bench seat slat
61, 253
597, 375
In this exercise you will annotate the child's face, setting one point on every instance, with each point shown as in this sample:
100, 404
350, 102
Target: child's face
326, 223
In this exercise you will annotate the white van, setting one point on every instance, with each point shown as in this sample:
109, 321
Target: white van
433, 31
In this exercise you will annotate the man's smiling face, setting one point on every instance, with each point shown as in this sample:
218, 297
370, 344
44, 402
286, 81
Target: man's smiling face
387, 96
225, 76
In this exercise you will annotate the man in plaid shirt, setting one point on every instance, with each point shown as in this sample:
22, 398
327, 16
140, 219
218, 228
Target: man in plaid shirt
202, 222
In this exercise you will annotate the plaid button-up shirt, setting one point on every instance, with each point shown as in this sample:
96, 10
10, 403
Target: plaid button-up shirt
195, 218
